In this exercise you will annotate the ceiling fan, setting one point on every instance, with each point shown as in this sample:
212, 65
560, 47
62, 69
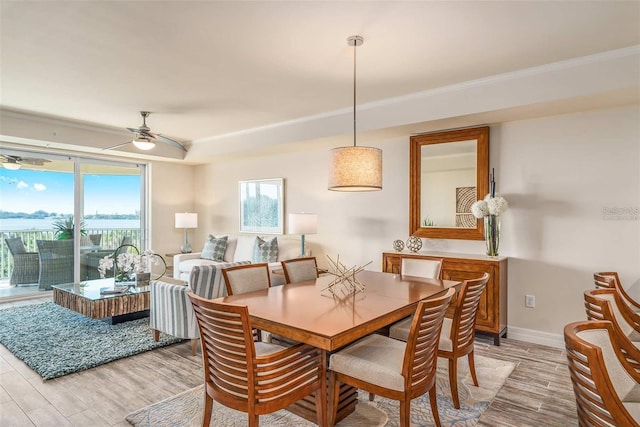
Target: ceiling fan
144, 139
16, 162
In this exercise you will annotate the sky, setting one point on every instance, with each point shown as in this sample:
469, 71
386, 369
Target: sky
28, 191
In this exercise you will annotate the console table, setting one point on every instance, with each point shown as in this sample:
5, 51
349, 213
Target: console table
492, 313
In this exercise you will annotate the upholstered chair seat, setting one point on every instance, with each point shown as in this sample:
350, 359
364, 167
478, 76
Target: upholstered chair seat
607, 304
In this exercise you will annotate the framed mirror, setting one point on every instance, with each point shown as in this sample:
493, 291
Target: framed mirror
449, 171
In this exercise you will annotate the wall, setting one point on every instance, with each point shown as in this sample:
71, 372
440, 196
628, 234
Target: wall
557, 174
172, 190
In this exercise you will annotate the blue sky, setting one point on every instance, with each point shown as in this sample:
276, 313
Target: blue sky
28, 191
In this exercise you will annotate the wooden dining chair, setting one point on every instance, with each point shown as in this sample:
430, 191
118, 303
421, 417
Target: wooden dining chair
610, 279
458, 333
391, 368
601, 366
241, 279
427, 268
299, 269
253, 377
607, 304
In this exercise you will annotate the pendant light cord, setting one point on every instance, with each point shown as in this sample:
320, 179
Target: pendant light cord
355, 45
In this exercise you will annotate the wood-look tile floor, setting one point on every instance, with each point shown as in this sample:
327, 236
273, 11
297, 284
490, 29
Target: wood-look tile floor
538, 392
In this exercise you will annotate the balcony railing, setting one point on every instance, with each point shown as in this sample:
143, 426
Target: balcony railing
110, 239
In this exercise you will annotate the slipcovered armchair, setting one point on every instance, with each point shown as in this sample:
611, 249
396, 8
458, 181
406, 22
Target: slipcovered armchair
171, 311
26, 265
56, 262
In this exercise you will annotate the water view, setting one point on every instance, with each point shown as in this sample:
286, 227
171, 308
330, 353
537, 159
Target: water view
47, 224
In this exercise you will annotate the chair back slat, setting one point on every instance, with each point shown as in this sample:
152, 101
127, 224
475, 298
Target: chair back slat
240, 279
299, 269
466, 312
421, 353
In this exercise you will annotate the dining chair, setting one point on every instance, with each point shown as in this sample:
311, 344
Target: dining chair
601, 366
427, 268
299, 269
241, 279
607, 304
253, 377
391, 368
26, 265
610, 279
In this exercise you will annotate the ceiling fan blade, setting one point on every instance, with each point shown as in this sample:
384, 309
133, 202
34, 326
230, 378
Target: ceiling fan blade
169, 141
117, 146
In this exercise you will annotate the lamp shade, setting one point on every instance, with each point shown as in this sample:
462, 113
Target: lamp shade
186, 220
355, 169
303, 223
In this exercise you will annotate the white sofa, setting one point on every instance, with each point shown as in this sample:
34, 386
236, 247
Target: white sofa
239, 248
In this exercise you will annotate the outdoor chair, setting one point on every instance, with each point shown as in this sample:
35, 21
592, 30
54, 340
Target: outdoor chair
26, 265
605, 382
254, 377
56, 262
299, 269
391, 368
170, 310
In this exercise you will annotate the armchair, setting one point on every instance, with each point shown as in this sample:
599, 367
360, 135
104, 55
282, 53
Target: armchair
56, 262
170, 309
26, 265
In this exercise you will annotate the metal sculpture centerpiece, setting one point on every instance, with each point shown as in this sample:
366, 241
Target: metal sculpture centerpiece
344, 279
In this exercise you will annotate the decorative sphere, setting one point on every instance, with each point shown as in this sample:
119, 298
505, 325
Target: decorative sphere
398, 245
414, 244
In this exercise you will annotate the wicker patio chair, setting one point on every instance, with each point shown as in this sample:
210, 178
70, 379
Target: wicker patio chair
26, 267
56, 262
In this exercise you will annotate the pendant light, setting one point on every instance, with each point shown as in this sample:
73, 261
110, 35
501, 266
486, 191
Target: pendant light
355, 168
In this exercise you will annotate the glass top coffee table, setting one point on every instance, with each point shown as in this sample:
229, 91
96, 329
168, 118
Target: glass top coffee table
86, 298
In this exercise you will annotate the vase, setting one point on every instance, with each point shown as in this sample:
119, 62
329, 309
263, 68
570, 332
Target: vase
492, 234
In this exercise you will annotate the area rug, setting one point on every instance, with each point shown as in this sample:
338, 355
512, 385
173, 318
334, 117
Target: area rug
185, 409
55, 341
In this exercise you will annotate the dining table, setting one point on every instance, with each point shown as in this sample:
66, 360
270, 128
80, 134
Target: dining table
331, 317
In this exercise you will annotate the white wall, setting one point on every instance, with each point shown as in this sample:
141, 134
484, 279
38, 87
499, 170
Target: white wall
557, 174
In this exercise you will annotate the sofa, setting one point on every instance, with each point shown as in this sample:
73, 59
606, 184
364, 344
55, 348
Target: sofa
239, 248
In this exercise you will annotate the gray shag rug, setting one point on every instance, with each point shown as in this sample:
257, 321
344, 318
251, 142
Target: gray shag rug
55, 341
185, 409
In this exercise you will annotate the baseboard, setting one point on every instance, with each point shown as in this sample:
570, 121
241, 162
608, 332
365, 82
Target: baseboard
536, 337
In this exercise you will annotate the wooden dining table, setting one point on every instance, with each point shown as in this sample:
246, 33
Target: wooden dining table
309, 312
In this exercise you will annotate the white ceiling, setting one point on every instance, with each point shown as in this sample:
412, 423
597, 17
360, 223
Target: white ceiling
207, 69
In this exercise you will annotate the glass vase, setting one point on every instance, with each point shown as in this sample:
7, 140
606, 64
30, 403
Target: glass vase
492, 234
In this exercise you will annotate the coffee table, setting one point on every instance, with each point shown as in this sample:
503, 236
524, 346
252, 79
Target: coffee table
85, 298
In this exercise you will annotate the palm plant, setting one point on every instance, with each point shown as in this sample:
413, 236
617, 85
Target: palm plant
64, 228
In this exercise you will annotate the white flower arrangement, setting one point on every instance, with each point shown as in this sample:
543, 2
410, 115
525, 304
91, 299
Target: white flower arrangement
489, 206
128, 263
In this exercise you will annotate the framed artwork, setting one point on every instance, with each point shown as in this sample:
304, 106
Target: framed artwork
465, 196
262, 206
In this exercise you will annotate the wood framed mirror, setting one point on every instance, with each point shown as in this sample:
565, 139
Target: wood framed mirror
448, 171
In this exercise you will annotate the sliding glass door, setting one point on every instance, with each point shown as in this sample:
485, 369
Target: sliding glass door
71, 211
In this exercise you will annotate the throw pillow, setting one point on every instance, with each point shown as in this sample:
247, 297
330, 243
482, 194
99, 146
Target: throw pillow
265, 250
214, 248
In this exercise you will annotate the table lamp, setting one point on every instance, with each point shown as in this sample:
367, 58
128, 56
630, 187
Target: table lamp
186, 220
303, 223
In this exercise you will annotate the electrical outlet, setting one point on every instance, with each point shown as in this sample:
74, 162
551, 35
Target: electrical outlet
530, 301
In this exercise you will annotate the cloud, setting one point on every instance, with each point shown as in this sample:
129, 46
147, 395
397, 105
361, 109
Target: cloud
39, 187
22, 185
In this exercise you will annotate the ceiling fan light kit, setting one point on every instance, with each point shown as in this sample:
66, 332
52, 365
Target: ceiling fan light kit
355, 168
11, 164
143, 143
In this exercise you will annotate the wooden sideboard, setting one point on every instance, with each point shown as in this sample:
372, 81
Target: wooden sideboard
492, 314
